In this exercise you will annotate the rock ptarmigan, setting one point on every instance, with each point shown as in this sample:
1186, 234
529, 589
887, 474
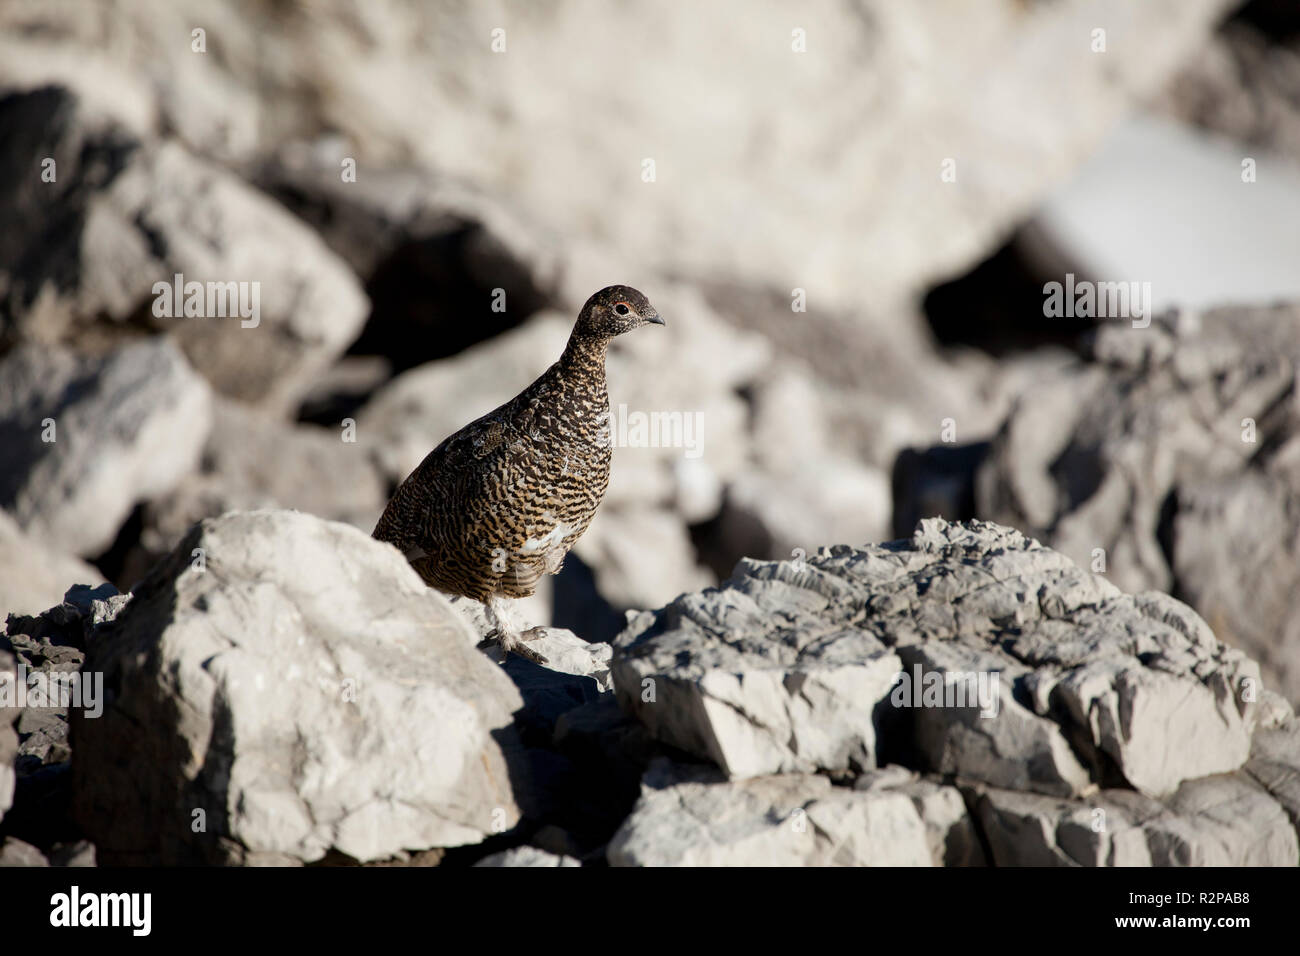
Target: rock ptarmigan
501, 502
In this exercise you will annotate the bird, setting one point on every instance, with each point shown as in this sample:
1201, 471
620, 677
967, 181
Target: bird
500, 502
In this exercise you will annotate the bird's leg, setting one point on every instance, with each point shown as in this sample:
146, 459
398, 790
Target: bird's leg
507, 635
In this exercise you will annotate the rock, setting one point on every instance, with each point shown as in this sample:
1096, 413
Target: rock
708, 209
1240, 533
88, 438
317, 470
343, 388
60, 634
527, 856
190, 96
640, 557
32, 574
566, 653
43, 735
143, 213
1180, 251
545, 781
575, 673
952, 835
997, 740
609, 753
8, 738
1169, 458
15, 852
1241, 86
303, 692
1274, 711
925, 75
1229, 820
693, 375
252, 461
975, 651
413, 413
801, 487
937, 482
1215, 821
432, 253
96, 606
50, 649
878, 391
432, 857
556, 840
80, 853
1275, 764
564, 650
751, 696
820, 499
696, 818
600, 732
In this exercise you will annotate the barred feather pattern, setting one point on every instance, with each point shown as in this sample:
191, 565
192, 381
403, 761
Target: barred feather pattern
500, 503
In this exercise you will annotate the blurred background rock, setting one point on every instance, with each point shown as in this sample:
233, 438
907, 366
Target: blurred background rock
912, 172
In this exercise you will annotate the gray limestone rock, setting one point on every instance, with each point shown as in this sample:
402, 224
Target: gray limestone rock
1170, 459
32, 573
1224, 820
280, 687
974, 650
97, 251
88, 438
526, 856
689, 817
8, 738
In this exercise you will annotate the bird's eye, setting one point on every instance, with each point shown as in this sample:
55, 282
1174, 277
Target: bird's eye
621, 308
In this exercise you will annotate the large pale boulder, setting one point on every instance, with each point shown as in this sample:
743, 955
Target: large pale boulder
281, 687
261, 307
33, 575
968, 650
1168, 457
695, 818
87, 438
974, 111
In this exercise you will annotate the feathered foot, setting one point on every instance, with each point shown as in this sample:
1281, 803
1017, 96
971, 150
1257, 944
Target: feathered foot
510, 638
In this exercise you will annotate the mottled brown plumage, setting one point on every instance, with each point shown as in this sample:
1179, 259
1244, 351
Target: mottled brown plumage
501, 502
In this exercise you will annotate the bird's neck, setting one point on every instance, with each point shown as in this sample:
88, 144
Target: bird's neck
584, 357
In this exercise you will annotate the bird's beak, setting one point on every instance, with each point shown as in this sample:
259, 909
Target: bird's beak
656, 319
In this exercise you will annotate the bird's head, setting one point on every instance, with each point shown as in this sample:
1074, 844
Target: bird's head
614, 310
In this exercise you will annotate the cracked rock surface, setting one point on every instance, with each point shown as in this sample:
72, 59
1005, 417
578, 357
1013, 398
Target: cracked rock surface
304, 692
697, 818
86, 438
794, 667
1172, 453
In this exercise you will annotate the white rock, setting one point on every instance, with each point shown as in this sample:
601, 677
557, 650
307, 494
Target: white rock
526, 856
33, 576
788, 820
804, 665
1215, 821
305, 691
125, 428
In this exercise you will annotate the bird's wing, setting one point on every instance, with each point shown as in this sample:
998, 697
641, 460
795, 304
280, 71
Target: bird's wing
479, 496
